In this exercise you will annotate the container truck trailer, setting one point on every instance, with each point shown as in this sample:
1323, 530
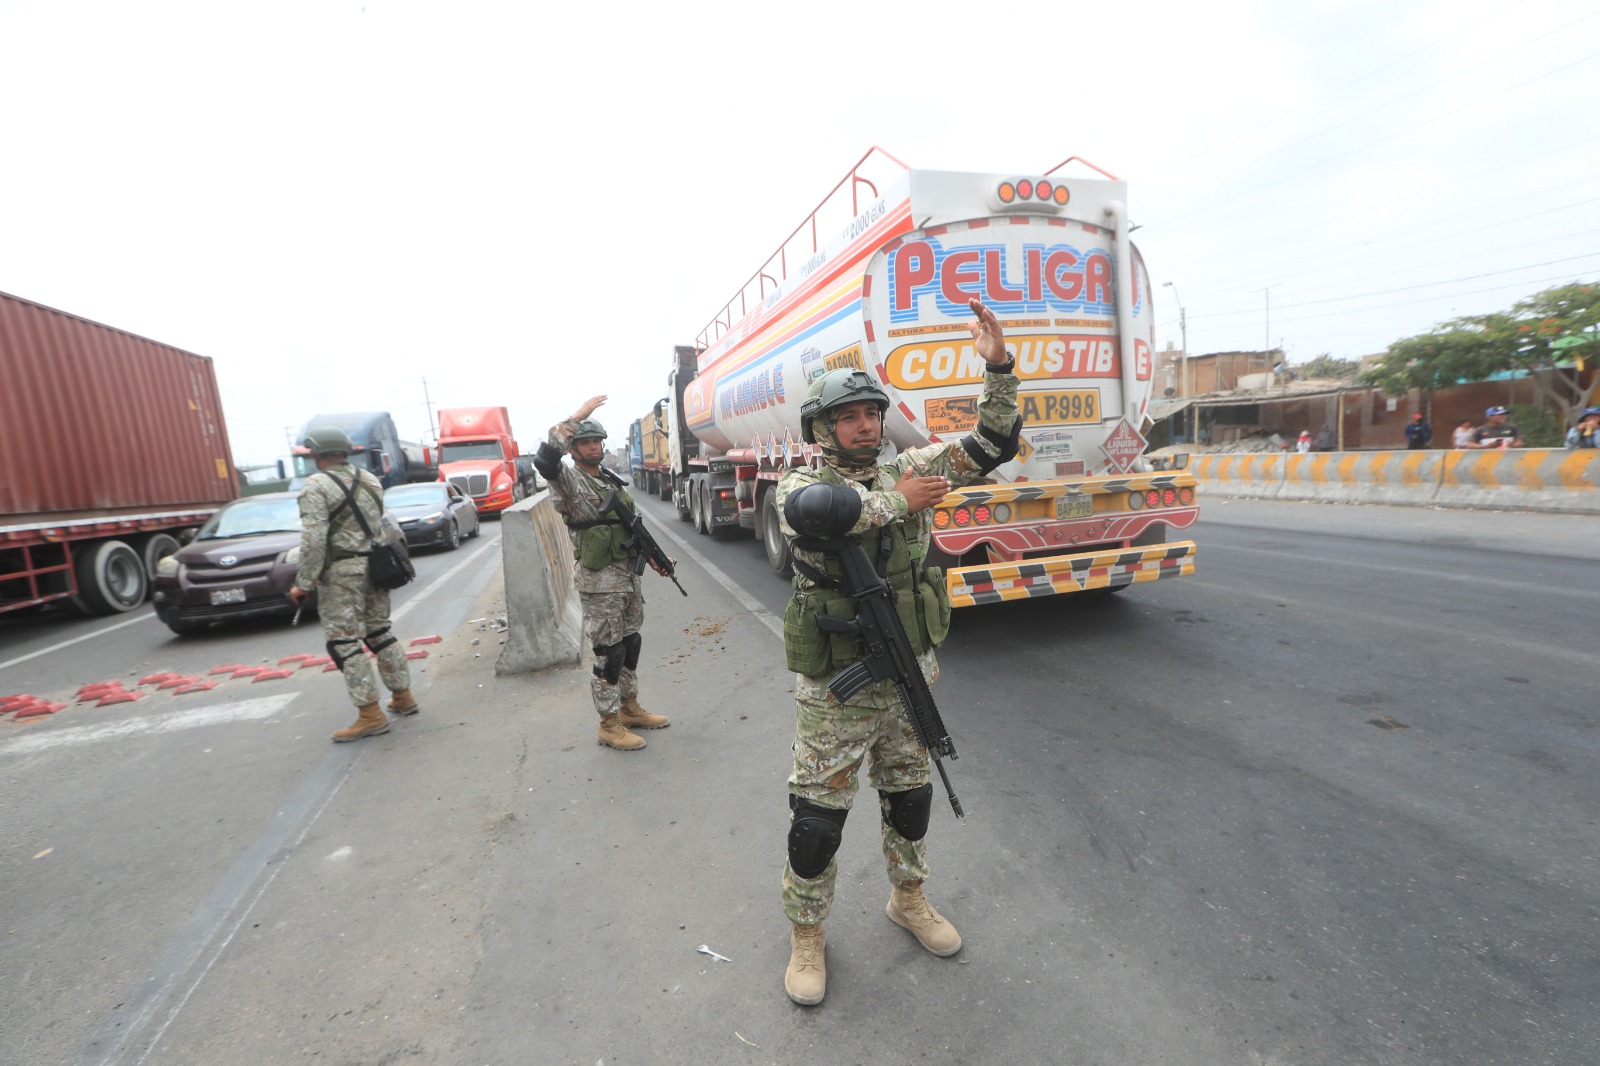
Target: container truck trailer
885, 290
112, 448
647, 453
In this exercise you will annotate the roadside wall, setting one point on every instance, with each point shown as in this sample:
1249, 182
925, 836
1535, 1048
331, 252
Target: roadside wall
543, 616
1531, 479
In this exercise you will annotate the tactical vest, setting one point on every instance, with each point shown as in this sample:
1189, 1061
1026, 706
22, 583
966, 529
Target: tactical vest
921, 600
600, 541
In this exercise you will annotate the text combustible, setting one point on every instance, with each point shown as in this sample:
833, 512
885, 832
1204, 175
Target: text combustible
1054, 278
932, 366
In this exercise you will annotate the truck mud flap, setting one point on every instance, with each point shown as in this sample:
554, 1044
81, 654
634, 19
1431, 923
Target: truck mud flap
1064, 574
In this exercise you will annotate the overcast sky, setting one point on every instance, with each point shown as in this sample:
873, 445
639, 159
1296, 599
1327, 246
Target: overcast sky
529, 204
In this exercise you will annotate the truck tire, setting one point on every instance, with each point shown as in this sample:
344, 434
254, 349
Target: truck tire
772, 538
680, 501
702, 499
156, 547
666, 486
111, 577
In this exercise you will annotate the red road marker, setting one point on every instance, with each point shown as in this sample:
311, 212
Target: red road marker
120, 697
330, 666
321, 660
156, 679
224, 669
96, 692
100, 686
424, 640
416, 655
199, 686
12, 702
36, 710
295, 659
177, 681
270, 675
249, 671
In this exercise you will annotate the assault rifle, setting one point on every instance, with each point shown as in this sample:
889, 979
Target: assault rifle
646, 548
889, 655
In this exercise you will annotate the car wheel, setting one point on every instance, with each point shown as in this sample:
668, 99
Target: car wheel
517, 493
454, 540
477, 525
156, 547
111, 577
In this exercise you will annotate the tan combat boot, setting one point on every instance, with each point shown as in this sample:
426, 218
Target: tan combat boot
370, 721
614, 735
806, 980
636, 717
909, 909
403, 703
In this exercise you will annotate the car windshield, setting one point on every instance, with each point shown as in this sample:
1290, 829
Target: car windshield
478, 449
248, 518
415, 496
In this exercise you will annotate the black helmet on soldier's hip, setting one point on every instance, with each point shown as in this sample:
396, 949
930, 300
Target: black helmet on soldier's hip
835, 389
589, 429
328, 440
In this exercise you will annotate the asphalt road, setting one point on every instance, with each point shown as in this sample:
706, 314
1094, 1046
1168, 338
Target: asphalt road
1330, 801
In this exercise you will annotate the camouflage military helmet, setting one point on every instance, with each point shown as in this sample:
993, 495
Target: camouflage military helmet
328, 440
835, 389
589, 429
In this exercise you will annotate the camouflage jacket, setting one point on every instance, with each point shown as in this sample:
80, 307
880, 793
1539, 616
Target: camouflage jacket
881, 504
578, 497
320, 497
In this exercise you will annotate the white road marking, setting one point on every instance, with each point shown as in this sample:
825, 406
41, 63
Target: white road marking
244, 711
747, 601
143, 617
439, 582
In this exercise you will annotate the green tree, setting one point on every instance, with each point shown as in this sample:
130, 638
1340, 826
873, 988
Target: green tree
1326, 366
1477, 346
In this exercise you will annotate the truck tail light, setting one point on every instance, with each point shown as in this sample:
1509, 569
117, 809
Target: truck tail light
1169, 497
981, 514
1135, 501
963, 517
1152, 498
1186, 496
941, 520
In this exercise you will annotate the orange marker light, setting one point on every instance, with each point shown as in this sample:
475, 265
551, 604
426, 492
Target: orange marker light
1186, 496
1008, 192
941, 520
1060, 195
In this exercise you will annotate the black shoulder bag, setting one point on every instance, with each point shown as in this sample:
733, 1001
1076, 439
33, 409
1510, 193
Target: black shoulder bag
388, 565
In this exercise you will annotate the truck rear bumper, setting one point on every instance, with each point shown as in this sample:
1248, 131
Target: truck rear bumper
1060, 574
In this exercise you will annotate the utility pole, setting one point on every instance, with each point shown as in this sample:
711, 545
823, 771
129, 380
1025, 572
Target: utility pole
427, 402
1267, 335
1184, 382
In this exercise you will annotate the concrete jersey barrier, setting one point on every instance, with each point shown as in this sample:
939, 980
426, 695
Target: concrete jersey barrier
1536, 479
543, 615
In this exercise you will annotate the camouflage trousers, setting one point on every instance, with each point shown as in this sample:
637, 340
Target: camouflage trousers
352, 610
831, 741
607, 618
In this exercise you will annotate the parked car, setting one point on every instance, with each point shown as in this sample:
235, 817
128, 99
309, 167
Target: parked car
241, 564
433, 514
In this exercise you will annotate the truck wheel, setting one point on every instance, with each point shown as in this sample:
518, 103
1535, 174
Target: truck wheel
772, 538
111, 577
156, 547
517, 493
702, 522
666, 486
680, 500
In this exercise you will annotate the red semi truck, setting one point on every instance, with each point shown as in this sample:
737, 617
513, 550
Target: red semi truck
112, 447
478, 455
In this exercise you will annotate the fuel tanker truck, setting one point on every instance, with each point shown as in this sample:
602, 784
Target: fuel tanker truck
878, 279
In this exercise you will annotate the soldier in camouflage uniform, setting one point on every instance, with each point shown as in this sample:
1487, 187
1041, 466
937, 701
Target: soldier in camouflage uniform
613, 603
333, 561
843, 413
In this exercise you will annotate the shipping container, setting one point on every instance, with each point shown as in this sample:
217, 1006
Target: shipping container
111, 445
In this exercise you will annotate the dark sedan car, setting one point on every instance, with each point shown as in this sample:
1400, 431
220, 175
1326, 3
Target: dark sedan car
241, 564
432, 513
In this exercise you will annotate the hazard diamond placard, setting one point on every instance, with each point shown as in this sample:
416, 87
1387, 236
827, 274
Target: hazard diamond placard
1123, 446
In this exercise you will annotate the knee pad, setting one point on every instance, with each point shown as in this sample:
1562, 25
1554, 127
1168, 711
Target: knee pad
632, 642
379, 639
908, 811
814, 835
340, 660
608, 660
